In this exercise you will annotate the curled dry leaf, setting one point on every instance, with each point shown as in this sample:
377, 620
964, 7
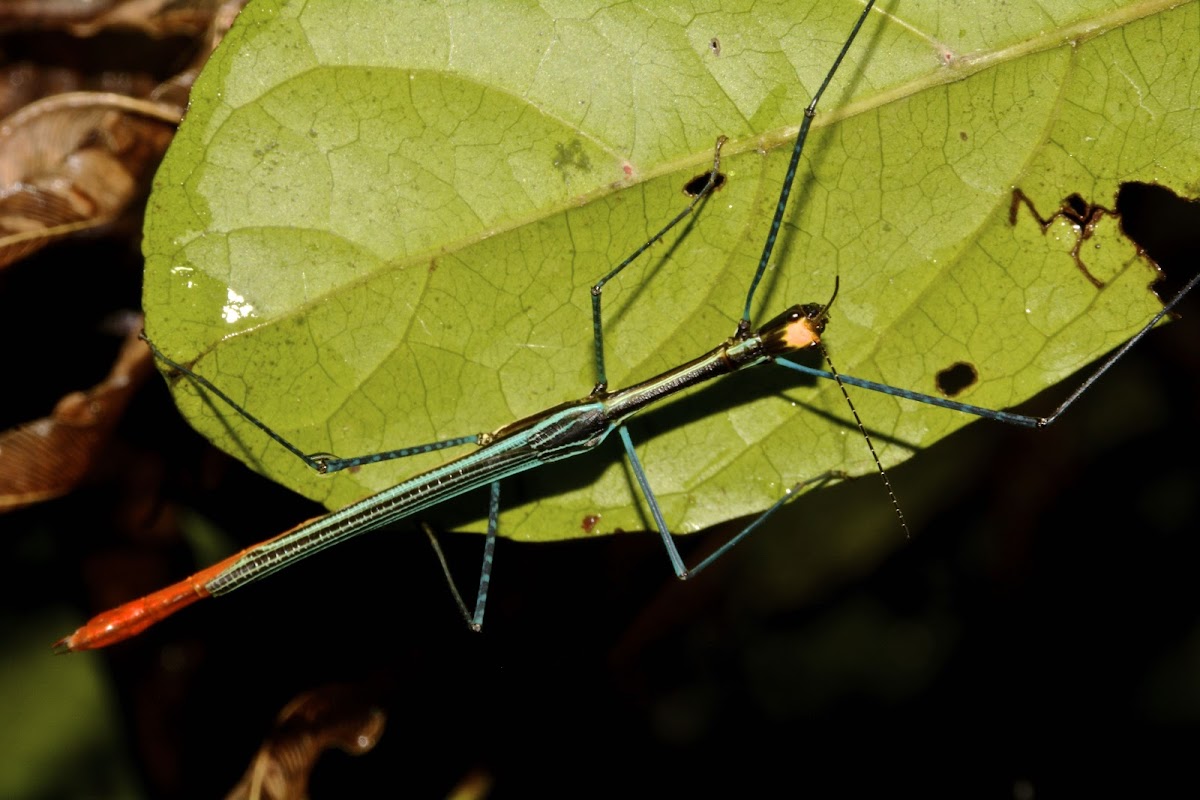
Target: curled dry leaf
73, 162
37, 66
88, 17
27, 78
332, 716
50, 456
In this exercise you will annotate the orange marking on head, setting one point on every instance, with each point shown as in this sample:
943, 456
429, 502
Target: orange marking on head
800, 334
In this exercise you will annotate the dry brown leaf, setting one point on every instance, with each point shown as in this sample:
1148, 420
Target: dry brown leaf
75, 161
50, 456
333, 716
26, 79
72, 162
88, 17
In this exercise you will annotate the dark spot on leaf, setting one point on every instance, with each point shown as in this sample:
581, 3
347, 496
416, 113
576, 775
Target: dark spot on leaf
589, 522
963, 135
952, 380
696, 185
570, 156
715, 46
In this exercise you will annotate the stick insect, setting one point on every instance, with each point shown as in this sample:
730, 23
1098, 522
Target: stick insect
798, 328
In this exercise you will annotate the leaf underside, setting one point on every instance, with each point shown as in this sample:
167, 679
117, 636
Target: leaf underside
379, 224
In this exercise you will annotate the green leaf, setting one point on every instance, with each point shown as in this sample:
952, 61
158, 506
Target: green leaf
379, 224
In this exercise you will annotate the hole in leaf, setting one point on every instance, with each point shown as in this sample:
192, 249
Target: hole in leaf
1166, 228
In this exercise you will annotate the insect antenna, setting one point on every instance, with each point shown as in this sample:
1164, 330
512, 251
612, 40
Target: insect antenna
837, 378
